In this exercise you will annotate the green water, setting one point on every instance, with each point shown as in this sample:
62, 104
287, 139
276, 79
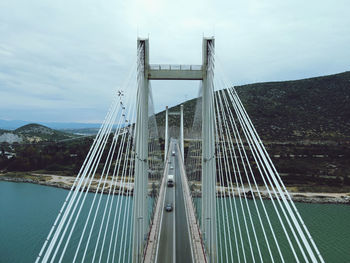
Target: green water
27, 213
328, 224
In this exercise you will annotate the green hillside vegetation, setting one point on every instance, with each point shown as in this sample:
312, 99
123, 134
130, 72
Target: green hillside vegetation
41, 147
54, 152
307, 109
174, 120
316, 109
36, 132
2, 131
63, 158
305, 125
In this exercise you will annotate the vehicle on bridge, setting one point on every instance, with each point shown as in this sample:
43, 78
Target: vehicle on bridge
173, 153
170, 181
169, 207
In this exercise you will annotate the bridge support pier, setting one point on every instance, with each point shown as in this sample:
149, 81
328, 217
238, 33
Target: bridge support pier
140, 209
208, 153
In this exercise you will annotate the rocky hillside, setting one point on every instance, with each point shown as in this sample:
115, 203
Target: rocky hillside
33, 133
307, 109
305, 125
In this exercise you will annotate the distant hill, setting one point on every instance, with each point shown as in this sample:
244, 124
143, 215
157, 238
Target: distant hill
15, 124
315, 108
33, 133
305, 125
307, 109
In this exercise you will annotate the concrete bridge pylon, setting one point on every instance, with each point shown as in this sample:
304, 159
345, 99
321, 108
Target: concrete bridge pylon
205, 73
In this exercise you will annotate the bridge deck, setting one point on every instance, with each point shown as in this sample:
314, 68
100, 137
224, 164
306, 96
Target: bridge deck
174, 243
179, 238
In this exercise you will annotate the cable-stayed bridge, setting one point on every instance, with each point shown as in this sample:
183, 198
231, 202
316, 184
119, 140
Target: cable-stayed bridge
211, 195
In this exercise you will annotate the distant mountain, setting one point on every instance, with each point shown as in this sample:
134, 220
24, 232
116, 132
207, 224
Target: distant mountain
33, 133
14, 124
72, 125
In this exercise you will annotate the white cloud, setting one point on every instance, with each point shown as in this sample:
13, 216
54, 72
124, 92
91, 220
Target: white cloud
70, 55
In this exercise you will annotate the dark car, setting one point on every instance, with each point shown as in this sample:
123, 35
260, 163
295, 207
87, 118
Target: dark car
169, 207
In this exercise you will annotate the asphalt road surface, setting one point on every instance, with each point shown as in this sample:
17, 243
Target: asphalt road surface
183, 245
174, 243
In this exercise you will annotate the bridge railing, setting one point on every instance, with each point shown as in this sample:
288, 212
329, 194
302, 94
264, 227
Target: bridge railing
199, 254
174, 67
153, 236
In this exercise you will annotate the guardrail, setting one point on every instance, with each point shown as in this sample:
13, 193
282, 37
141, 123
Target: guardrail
153, 237
174, 67
197, 248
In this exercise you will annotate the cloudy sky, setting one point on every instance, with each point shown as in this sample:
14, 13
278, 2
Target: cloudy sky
61, 60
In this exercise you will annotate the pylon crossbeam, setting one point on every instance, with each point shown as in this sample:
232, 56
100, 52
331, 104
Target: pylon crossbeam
175, 72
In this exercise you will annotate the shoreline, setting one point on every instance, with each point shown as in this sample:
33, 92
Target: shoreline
66, 182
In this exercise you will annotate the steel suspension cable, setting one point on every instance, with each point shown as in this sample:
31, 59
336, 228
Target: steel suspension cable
280, 180
282, 224
95, 159
275, 193
78, 179
119, 163
222, 150
235, 130
291, 215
